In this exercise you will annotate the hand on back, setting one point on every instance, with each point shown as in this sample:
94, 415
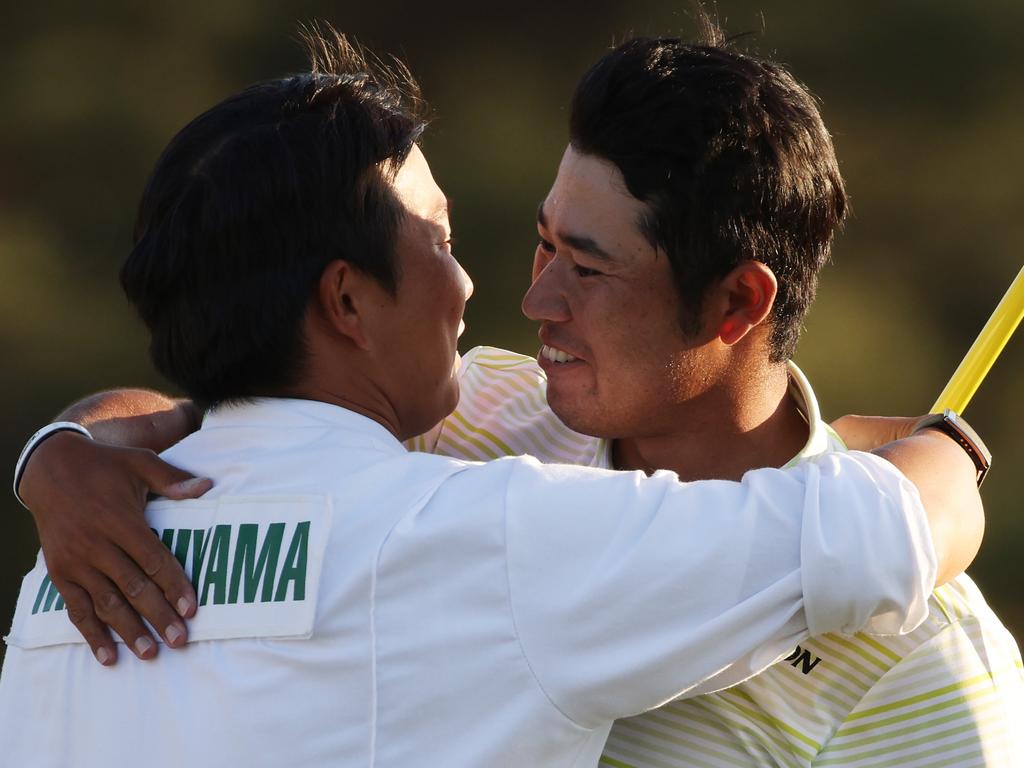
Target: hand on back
87, 499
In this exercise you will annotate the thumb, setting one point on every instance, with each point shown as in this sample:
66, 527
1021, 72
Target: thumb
166, 480
192, 488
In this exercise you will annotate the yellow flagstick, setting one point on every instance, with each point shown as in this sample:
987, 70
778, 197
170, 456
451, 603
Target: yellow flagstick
985, 349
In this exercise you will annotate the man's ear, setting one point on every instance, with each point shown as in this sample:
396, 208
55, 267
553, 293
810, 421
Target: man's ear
748, 294
345, 301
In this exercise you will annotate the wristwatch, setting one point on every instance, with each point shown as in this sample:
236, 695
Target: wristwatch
952, 424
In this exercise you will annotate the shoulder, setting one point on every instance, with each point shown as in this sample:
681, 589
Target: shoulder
497, 359
503, 411
500, 377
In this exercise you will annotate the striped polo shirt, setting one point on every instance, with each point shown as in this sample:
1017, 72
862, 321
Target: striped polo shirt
951, 693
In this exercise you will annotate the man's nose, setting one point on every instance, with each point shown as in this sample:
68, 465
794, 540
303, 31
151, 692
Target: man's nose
467, 282
545, 298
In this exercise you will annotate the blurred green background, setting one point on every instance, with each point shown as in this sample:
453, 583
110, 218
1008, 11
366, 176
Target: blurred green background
923, 99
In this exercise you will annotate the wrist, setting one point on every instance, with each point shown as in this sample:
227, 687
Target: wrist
954, 427
33, 444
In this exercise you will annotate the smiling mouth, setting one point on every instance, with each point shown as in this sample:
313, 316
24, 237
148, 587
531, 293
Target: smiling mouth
555, 355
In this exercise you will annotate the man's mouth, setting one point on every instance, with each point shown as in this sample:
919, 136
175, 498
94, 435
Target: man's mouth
555, 355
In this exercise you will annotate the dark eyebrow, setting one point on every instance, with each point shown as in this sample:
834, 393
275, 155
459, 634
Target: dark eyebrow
577, 242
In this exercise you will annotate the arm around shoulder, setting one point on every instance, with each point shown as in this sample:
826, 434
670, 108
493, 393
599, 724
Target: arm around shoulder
136, 418
630, 590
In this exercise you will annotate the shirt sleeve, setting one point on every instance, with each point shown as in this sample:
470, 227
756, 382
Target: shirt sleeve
628, 591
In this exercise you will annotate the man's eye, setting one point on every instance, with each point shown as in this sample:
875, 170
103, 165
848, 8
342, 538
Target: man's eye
546, 246
585, 271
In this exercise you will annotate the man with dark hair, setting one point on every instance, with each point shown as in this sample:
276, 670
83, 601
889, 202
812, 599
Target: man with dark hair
679, 251
732, 160
333, 199
362, 605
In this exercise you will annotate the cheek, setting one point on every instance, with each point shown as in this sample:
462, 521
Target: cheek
441, 298
627, 325
688, 376
455, 300
640, 347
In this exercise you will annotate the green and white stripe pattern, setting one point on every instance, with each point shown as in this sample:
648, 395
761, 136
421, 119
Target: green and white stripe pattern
503, 411
951, 693
948, 694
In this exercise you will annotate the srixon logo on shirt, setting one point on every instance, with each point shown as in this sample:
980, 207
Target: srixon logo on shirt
229, 564
803, 660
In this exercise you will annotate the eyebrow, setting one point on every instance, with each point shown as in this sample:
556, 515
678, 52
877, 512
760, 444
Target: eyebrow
577, 242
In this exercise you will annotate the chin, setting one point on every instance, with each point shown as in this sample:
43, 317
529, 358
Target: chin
429, 414
582, 420
454, 400
451, 399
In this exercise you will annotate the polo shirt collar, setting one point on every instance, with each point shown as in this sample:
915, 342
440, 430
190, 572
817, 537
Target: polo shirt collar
282, 413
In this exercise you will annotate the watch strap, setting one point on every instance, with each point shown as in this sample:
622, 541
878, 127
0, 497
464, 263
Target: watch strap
952, 424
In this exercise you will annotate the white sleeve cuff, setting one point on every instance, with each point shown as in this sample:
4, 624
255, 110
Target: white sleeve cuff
868, 561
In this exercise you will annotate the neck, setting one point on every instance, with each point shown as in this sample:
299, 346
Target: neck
734, 429
356, 394
338, 371
385, 417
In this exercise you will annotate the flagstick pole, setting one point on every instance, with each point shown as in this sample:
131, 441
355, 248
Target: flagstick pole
985, 349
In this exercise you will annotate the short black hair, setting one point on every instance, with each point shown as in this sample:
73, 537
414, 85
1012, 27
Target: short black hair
730, 156
251, 200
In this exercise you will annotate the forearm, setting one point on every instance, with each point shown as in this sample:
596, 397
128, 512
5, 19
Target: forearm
138, 418
945, 478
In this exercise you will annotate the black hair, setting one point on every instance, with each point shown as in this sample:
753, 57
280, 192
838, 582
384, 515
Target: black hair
251, 200
730, 156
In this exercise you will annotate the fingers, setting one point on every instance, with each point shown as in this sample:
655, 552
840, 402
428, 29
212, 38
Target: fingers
83, 616
192, 488
158, 565
119, 594
166, 480
865, 433
113, 609
147, 598
151, 556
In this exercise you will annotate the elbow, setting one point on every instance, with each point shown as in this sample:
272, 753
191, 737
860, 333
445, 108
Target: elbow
957, 538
